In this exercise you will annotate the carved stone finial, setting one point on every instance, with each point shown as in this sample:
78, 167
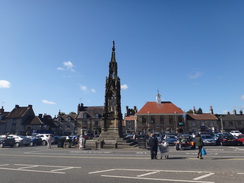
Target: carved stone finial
113, 49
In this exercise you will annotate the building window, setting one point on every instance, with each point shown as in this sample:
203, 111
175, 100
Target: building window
231, 123
210, 123
170, 119
161, 119
152, 119
96, 123
193, 123
85, 115
84, 124
202, 123
96, 115
144, 120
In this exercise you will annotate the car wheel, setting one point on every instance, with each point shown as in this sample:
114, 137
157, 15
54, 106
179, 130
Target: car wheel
31, 144
1, 145
44, 142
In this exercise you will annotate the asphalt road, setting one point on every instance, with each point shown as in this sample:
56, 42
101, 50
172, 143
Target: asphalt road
222, 164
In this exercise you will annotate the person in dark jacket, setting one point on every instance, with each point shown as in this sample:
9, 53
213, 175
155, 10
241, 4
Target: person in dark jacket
199, 144
153, 143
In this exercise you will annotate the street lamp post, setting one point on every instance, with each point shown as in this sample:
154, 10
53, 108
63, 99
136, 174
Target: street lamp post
148, 122
221, 123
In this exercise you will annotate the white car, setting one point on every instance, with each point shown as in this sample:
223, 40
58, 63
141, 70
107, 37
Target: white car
44, 138
235, 133
20, 140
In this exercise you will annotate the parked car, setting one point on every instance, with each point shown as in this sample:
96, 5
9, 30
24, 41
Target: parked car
159, 136
7, 141
208, 140
235, 133
227, 139
20, 140
240, 139
170, 139
35, 140
216, 135
44, 138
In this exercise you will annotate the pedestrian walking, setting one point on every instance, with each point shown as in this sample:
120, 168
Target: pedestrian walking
82, 142
199, 144
49, 142
153, 143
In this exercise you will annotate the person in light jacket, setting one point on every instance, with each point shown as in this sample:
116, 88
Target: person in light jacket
199, 144
49, 142
82, 142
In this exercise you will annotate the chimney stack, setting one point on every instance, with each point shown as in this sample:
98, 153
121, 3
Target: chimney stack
194, 110
211, 110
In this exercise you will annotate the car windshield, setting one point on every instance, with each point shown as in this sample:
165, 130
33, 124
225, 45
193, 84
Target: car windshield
171, 137
207, 137
229, 137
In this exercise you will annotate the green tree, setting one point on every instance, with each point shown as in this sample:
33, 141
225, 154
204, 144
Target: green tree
190, 111
199, 111
72, 113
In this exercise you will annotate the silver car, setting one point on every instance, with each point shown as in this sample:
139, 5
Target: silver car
208, 140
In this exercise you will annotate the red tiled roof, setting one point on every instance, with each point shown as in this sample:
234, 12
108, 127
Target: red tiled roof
205, 116
159, 108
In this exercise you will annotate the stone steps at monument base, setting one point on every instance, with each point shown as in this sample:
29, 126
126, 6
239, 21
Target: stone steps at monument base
109, 143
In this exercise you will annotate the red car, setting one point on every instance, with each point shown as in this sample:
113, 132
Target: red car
240, 139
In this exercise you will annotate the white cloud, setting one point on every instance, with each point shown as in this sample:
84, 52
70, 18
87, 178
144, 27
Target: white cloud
196, 75
124, 87
60, 68
48, 102
67, 66
83, 88
5, 84
86, 90
242, 97
93, 90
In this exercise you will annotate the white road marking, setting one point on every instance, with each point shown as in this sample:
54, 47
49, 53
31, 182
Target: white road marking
102, 171
61, 169
150, 172
26, 168
4, 165
145, 174
203, 176
144, 178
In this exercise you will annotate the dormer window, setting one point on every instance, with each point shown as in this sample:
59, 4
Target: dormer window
97, 115
85, 115
69, 119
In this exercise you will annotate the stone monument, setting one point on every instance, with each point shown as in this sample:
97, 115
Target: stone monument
112, 130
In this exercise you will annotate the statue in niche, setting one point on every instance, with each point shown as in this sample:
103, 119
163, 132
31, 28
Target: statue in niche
112, 102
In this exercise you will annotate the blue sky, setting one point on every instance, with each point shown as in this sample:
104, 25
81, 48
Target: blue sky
54, 54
